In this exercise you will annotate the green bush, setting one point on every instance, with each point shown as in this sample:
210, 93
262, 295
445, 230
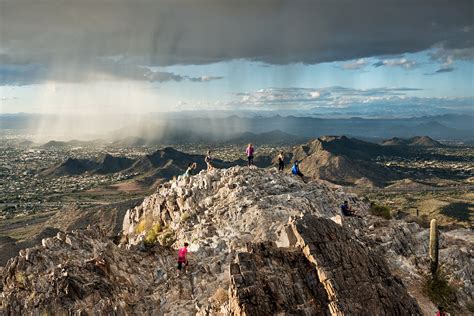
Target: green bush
152, 234
380, 210
144, 224
440, 292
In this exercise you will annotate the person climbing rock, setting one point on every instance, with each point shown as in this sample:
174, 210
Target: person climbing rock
296, 170
182, 259
189, 170
346, 209
281, 161
250, 151
208, 161
441, 312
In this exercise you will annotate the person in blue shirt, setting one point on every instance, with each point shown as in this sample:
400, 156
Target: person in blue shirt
296, 170
346, 209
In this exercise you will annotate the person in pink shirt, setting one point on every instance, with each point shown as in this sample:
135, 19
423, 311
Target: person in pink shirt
182, 260
249, 151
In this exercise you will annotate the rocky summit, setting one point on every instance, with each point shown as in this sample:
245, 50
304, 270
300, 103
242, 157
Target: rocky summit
261, 243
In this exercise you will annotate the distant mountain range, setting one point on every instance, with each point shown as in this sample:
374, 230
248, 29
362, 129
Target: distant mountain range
186, 128
338, 159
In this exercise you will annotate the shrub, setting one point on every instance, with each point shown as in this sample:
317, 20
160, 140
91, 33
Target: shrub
185, 216
152, 234
422, 221
20, 277
144, 224
380, 210
440, 292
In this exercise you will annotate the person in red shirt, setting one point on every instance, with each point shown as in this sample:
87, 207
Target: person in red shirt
182, 260
441, 311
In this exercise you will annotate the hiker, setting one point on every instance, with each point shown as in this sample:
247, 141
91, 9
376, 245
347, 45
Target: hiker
182, 260
208, 161
189, 170
346, 209
281, 161
296, 170
441, 311
249, 151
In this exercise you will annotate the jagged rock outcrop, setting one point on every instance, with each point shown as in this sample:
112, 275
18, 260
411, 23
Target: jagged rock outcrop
245, 258
356, 279
257, 277
325, 271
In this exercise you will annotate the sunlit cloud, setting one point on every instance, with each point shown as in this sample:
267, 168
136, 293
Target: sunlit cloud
402, 62
376, 101
355, 65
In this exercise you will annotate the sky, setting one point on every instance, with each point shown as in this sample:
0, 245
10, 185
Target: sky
370, 58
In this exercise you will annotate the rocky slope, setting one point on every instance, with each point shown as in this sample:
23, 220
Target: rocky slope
262, 243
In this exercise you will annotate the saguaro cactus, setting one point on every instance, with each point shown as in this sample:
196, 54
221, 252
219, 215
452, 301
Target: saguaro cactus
434, 246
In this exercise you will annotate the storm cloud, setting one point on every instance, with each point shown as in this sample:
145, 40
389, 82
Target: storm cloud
206, 31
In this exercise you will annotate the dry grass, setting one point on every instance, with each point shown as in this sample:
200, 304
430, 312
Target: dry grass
219, 297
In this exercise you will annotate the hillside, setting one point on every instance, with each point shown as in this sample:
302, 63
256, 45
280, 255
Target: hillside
75, 166
343, 160
262, 243
71, 167
111, 164
418, 141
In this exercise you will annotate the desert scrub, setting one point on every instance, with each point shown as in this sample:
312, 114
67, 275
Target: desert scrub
422, 220
152, 234
380, 210
185, 216
144, 225
20, 277
440, 292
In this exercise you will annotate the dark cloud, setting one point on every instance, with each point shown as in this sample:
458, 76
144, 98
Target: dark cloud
168, 32
449, 69
441, 71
